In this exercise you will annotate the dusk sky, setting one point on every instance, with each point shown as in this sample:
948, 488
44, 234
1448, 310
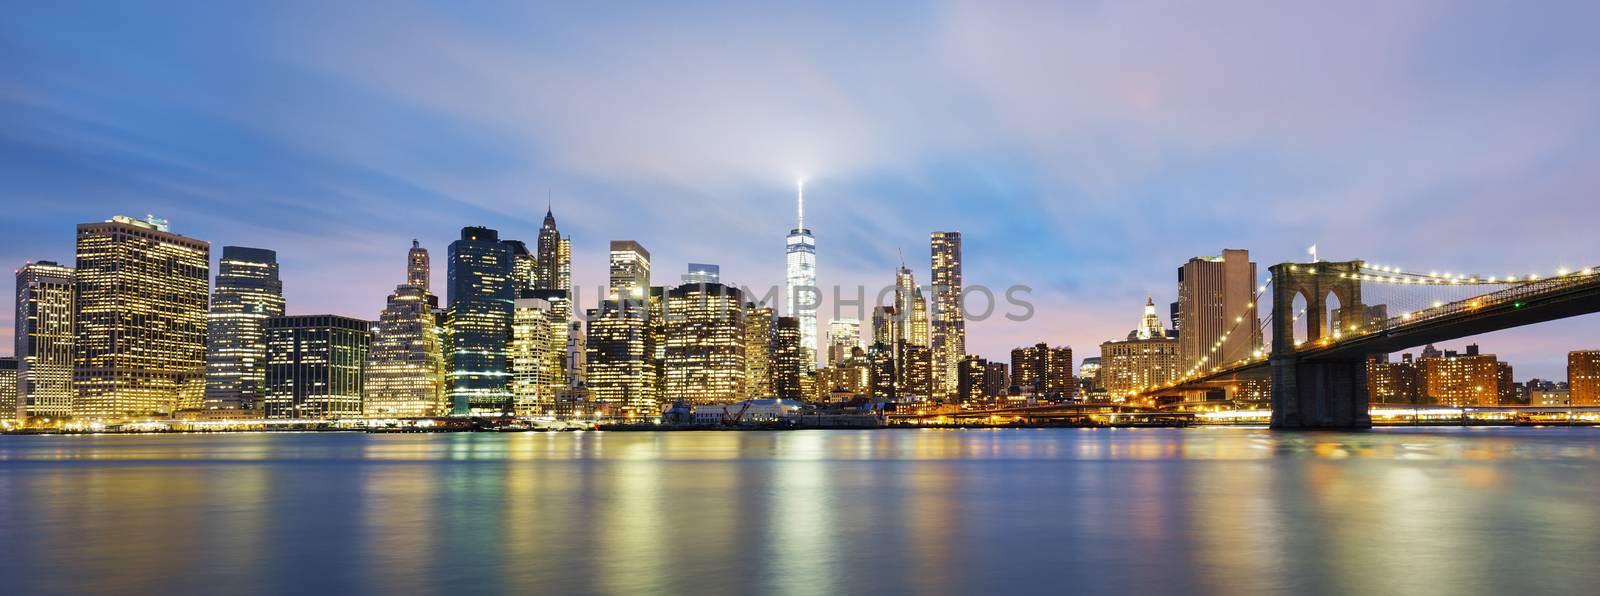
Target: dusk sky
1086, 150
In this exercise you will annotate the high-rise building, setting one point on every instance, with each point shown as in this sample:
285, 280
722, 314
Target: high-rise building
802, 295
480, 297
886, 325
535, 357
846, 380
1137, 363
1216, 297
630, 271
524, 266
619, 378
1470, 379
1393, 382
314, 366
576, 361
141, 319
404, 373
1089, 374
553, 274
949, 333
1044, 370
1150, 327
703, 273
789, 373
996, 379
760, 327
248, 292
704, 361
970, 385
916, 373
1583, 377
45, 334
844, 337
9, 408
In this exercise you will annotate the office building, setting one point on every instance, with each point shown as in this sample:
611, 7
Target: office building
524, 267
248, 292
629, 272
535, 356
760, 329
480, 296
9, 408
314, 367
704, 359
1138, 362
844, 338
142, 296
619, 376
790, 375
404, 376
802, 298
45, 334
1216, 297
703, 273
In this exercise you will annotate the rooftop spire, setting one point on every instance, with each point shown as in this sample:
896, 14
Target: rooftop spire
800, 206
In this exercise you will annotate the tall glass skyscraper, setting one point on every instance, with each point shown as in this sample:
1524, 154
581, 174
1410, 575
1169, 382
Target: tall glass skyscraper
142, 294
949, 328
801, 278
248, 293
44, 339
480, 295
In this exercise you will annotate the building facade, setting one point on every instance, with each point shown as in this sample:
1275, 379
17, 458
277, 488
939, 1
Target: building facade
619, 378
802, 297
535, 356
480, 294
949, 328
142, 294
789, 372
314, 367
1583, 377
1470, 379
248, 292
1216, 297
704, 361
760, 328
45, 333
404, 372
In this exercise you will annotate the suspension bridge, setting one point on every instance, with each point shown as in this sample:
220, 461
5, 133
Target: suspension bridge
1320, 380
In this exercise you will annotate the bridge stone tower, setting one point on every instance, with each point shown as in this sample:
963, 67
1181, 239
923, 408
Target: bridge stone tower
1310, 392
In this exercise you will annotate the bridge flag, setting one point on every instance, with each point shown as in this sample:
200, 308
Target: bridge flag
1313, 251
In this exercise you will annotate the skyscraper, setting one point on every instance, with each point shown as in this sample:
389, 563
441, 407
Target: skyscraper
480, 296
404, 376
789, 373
553, 276
141, 319
1216, 296
630, 271
1138, 362
314, 366
802, 295
535, 357
524, 267
9, 410
844, 336
704, 358
759, 334
618, 365
45, 334
949, 336
248, 293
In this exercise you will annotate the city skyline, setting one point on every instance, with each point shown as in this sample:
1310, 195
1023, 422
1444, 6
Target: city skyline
1175, 166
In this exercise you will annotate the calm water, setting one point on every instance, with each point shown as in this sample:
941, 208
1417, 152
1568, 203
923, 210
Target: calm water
806, 512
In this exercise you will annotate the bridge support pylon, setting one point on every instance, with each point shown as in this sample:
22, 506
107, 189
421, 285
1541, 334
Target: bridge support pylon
1321, 394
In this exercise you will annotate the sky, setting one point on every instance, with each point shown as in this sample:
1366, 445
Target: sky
1085, 150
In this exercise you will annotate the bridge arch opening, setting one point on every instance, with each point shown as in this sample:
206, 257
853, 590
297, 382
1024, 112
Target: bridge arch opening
1298, 311
1332, 325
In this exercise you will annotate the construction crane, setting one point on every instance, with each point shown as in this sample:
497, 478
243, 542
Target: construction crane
733, 419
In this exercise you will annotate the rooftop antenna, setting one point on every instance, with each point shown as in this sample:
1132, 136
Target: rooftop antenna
800, 206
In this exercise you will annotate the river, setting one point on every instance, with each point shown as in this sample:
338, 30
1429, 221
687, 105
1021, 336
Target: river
1132, 511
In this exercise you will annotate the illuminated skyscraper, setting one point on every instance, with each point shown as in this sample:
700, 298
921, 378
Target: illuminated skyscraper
629, 272
759, 328
553, 275
802, 295
620, 379
314, 366
844, 336
248, 293
141, 319
524, 267
1216, 296
9, 410
480, 296
1136, 363
705, 350
789, 372
45, 335
949, 334
1150, 327
404, 374
535, 357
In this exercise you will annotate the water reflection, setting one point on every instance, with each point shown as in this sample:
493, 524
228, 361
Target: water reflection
806, 512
